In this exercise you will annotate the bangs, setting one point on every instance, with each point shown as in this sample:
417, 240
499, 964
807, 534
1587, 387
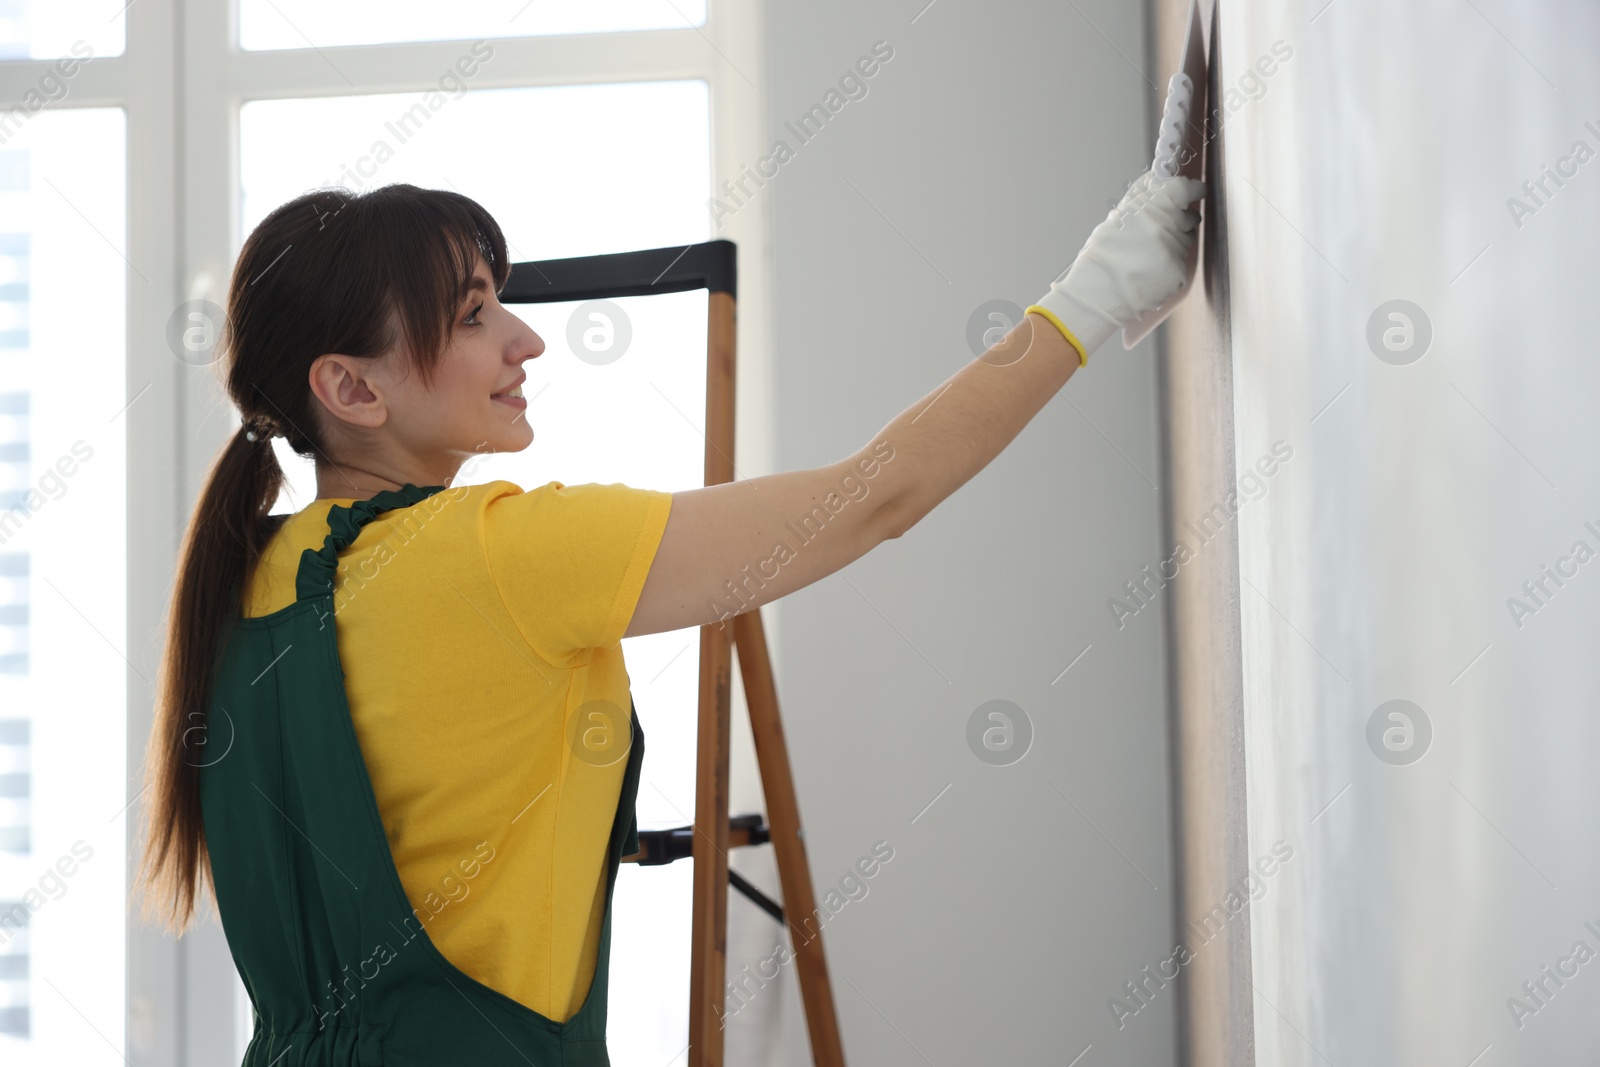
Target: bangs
431, 277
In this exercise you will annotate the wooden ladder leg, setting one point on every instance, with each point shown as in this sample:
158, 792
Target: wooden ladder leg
788, 840
708, 963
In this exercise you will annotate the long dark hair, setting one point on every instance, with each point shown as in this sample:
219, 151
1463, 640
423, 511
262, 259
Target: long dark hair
361, 274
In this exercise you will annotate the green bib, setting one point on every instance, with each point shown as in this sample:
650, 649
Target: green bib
339, 969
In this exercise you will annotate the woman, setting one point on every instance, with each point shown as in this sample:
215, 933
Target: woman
395, 736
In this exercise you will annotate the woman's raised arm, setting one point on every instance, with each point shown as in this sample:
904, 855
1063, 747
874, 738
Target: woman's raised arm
731, 547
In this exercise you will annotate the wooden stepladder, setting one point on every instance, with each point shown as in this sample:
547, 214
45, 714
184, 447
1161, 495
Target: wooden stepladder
713, 266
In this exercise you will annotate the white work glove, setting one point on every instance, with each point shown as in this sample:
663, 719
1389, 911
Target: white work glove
1132, 262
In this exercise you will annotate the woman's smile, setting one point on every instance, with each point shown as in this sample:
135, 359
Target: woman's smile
512, 396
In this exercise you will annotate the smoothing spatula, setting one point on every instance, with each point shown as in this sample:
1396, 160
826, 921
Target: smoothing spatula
1180, 149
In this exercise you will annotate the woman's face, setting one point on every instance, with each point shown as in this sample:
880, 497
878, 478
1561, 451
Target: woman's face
473, 405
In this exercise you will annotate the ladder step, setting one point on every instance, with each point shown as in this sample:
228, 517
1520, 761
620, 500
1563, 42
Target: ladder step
677, 843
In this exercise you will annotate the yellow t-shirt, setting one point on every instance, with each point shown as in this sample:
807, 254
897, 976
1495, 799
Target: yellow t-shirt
479, 631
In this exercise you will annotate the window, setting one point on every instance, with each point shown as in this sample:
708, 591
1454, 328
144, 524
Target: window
267, 24
63, 606
35, 29
586, 128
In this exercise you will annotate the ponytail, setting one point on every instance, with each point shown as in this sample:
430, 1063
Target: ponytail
224, 540
365, 275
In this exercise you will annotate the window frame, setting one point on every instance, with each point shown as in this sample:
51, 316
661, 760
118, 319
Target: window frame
181, 80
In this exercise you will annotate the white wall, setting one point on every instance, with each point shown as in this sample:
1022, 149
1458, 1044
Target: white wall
1378, 166
982, 155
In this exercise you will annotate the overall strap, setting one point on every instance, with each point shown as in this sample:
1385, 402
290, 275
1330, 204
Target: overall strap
318, 566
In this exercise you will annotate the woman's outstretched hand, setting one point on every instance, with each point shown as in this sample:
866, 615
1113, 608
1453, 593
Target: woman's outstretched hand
1132, 262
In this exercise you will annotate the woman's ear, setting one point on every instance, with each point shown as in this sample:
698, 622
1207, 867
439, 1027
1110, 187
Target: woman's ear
349, 392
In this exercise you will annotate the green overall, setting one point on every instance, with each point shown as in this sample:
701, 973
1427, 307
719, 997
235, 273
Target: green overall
338, 966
